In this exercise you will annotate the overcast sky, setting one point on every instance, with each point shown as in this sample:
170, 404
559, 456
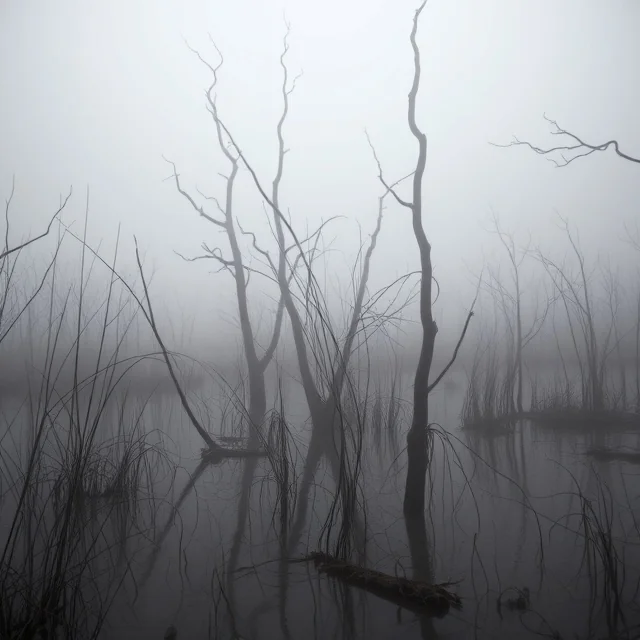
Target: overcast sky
95, 92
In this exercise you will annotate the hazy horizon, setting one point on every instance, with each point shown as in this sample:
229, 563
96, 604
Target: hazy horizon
96, 93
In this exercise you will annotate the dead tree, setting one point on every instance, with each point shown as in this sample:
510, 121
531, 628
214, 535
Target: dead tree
576, 294
509, 301
257, 363
574, 148
419, 436
315, 339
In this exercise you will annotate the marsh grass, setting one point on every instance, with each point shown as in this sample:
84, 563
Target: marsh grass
78, 468
385, 420
604, 528
349, 500
487, 404
564, 404
281, 453
561, 406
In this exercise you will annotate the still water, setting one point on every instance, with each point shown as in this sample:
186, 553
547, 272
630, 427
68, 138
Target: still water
506, 513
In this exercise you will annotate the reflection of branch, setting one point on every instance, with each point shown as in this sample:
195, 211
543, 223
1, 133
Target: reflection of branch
171, 519
583, 148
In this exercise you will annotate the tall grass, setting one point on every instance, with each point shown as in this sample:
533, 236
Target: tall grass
488, 399
385, 421
78, 467
344, 529
282, 459
604, 533
591, 325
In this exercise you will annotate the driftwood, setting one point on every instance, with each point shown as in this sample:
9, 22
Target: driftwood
420, 597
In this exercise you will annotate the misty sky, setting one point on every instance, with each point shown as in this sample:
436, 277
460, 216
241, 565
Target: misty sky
95, 92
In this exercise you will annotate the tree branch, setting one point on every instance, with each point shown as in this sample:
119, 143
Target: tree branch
433, 385
21, 246
580, 148
389, 188
200, 210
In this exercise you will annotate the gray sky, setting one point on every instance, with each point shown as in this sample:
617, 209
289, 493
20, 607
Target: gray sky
94, 92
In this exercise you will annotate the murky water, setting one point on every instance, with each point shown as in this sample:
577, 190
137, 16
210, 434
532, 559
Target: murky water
505, 512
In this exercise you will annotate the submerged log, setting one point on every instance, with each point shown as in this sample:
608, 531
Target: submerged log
420, 597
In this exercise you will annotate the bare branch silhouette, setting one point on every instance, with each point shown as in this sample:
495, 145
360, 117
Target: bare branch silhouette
9, 250
575, 148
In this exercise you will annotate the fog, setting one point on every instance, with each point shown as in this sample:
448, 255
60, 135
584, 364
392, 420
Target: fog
95, 94
108, 100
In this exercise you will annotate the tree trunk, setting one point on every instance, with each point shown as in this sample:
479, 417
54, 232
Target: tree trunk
418, 437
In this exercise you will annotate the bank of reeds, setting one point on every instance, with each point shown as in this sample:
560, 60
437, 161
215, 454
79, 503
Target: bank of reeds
76, 467
588, 390
487, 403
280, 450
604, 526
385, 421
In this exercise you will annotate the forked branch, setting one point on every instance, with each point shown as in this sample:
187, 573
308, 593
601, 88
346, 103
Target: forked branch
9, 250
575, 148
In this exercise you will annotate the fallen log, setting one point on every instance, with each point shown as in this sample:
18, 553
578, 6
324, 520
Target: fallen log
415, 595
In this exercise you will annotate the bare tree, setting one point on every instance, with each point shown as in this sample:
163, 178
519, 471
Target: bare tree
418, 438
575, 147
225, 219
576, 294
509, 300
315, 339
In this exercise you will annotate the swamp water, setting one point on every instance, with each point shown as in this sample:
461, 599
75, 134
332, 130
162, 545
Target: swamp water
506, 523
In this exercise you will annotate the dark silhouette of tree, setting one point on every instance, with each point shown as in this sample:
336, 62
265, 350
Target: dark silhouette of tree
418, 438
